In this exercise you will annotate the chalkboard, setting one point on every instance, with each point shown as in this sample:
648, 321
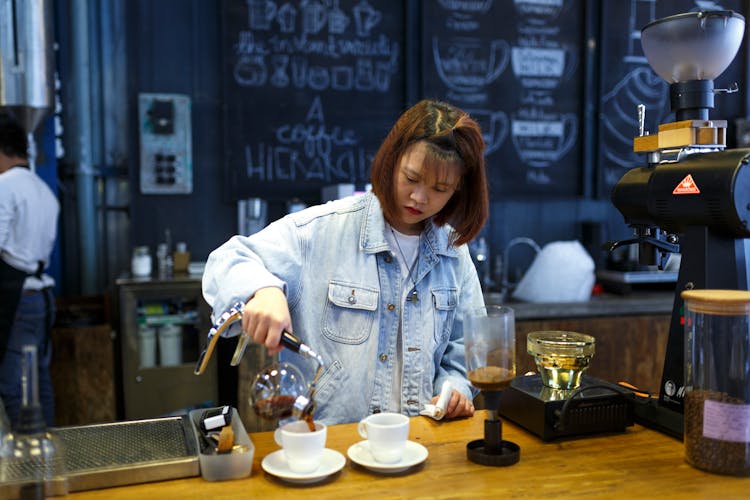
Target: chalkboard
627, 80
516, 67
310, 90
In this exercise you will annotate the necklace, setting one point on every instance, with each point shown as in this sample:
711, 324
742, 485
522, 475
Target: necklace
413, 295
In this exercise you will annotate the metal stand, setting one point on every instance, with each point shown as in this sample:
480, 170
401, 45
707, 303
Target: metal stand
493, 450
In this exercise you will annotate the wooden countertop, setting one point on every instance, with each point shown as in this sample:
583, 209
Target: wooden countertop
639, 463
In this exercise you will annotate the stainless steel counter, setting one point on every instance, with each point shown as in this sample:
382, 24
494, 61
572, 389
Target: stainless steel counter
606, 304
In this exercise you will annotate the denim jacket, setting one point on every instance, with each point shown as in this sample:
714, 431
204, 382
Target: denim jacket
343, 287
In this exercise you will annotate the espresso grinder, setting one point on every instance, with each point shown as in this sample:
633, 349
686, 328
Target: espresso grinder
693, 196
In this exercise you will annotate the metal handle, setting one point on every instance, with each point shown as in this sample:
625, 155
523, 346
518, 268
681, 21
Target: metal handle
290, 341
227, 318
641, 119
287, 340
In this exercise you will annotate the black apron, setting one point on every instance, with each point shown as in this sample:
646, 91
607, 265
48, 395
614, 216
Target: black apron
11, 287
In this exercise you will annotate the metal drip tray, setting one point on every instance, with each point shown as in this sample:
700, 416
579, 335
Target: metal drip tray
130, 452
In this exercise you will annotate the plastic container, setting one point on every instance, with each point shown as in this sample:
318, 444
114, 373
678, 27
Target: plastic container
147, 346
170, 345
221, 467
561, 357
717, 380
181, 257
140, 265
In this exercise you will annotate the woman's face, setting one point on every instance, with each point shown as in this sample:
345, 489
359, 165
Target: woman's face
421, 191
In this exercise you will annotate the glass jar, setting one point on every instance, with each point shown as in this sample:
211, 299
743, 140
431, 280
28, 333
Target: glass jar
275, 389
140, 265
561, 357
717, 380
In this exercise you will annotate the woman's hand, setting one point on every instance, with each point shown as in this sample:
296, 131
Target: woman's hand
265, 316
458, 405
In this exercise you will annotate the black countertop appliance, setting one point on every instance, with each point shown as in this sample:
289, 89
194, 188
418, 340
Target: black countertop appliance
693, 196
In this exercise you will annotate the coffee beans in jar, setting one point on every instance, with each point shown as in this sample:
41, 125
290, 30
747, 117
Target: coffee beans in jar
717, 380
714, 440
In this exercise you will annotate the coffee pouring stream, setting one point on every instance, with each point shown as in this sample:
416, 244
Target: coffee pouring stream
304, 405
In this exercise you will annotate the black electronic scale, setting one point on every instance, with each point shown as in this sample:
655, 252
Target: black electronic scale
595, 406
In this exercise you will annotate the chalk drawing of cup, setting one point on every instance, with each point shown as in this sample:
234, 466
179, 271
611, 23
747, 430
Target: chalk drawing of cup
540, 142
619, 118
365, 18
286, 17
468, 64
260, 13
251, 71
337, 21
314, 17
494, 125
466, 6
543, 63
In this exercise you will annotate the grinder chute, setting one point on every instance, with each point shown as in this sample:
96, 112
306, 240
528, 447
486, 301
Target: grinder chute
693, 197
27, 63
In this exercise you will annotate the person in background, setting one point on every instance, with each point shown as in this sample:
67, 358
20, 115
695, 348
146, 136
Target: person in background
28, 227
377, 284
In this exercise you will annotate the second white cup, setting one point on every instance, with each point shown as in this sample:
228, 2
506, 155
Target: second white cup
386, 434
303, 449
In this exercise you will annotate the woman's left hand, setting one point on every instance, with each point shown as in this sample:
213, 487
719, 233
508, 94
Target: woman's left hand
458, 405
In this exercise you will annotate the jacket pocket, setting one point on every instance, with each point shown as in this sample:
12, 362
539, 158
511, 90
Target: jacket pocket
349, 312
329, 381
444, 301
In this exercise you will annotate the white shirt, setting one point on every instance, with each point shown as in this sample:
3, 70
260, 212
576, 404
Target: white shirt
28, 223
406, 250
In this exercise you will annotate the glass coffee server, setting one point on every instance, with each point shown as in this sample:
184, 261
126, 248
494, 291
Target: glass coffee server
490, 342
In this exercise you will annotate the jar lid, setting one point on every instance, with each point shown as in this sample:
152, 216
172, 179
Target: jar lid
560, 343
719, 302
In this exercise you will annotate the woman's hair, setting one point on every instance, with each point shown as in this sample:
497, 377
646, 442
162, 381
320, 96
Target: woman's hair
451, 135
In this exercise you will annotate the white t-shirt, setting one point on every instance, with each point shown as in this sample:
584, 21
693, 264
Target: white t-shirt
28, 223
406, 250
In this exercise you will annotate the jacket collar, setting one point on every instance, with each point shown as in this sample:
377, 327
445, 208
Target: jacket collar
434, 239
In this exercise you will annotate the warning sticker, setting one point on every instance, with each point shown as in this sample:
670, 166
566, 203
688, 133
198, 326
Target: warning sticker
687, 186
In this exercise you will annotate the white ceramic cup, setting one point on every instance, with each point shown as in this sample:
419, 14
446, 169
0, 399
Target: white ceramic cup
386, 433
302, 448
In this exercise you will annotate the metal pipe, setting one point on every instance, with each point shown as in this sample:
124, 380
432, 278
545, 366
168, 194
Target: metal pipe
82, 149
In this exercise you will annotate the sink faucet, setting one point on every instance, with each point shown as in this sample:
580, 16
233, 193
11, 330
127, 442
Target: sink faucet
507, 285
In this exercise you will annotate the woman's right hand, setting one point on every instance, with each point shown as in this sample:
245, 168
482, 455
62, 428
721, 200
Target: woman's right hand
265, 316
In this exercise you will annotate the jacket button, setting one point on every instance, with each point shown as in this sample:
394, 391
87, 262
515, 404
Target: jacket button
388, 258
391, 307
383, 357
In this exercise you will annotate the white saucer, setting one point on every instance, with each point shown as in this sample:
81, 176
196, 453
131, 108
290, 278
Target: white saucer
414, 454
330, 463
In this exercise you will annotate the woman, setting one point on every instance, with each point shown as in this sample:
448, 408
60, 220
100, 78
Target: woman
376, 284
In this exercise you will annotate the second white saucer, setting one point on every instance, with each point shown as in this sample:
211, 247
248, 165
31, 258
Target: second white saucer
331, 462
414, 454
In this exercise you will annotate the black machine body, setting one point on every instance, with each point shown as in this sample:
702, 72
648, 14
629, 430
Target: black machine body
693, 197
595, 407
703, 201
